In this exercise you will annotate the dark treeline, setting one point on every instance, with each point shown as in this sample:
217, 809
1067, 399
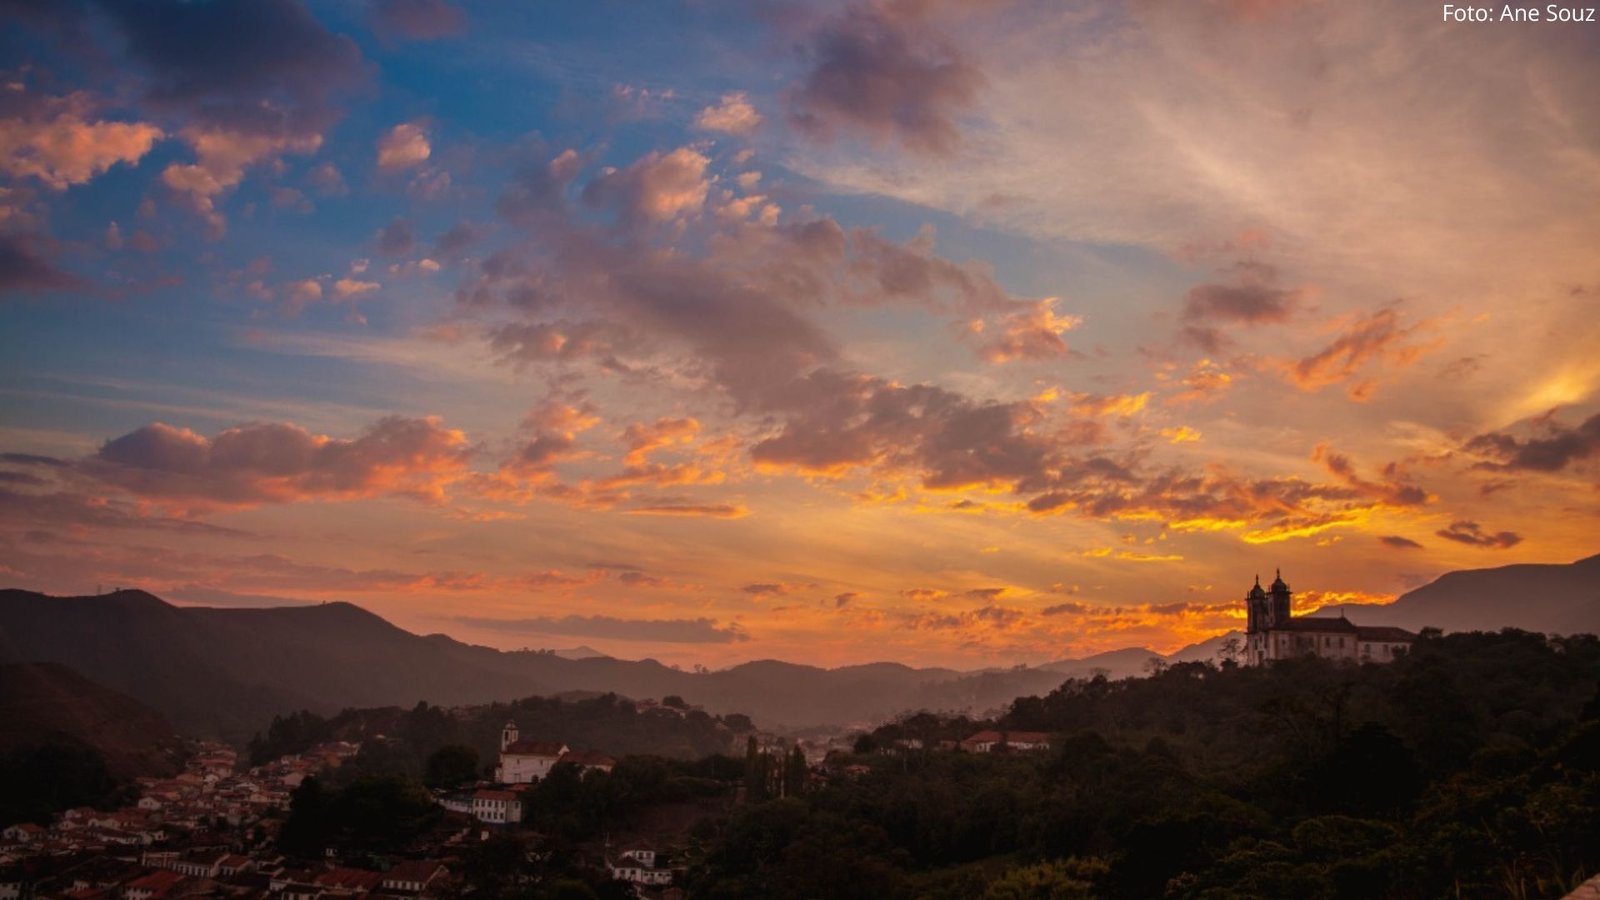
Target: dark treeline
1468, 768
411, 737
40, 780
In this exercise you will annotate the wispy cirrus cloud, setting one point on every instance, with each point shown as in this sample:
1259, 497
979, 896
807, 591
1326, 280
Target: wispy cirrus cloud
675, 631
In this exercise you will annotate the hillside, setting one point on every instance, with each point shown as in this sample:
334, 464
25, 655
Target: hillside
226, 672
45, 703
1554, 599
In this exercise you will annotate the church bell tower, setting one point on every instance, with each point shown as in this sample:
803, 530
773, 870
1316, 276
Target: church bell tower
1280, 601
508, 735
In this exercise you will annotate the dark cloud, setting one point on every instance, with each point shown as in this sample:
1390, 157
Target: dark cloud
80, 509
838, 421
705, 510
24, 269
840, 601
397, 238
255, 66
674, 631
418, 20
539, 190
1399, 543
34, 459
1074, 609
282, 463
1467, 532
451, 245
1560, 447
1393, 491
886, 76
642, 579
1251, 297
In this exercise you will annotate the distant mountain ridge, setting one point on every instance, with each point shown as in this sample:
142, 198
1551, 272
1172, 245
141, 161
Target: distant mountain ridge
226, 671
1551, 598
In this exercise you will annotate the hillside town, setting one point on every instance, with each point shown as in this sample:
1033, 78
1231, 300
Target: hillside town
212, 830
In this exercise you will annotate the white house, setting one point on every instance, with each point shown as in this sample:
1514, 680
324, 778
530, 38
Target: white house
997, 741
497, 807
524, 762
413, 876
638, 867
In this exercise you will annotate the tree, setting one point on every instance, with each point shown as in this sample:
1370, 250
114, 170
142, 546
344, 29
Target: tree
795, 772
755, 771
1069, 879
451, 766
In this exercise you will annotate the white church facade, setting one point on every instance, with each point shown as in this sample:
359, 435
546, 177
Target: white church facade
524, 762
1272, 632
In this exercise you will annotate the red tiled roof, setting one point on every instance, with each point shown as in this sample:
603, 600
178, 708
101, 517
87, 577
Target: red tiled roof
157, 882
1010, 737
1386, 634
1318, 624
355, 879
588, 758
535, 748
418, 870
494, 795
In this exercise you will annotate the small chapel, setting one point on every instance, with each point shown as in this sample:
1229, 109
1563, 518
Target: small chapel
1273, 632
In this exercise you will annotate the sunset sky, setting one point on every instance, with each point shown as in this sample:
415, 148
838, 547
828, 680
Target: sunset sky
948, 333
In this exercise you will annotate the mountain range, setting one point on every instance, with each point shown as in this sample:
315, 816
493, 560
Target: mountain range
1550, 598
224, 672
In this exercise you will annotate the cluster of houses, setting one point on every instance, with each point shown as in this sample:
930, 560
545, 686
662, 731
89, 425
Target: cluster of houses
172, 843
209, 793
218, 872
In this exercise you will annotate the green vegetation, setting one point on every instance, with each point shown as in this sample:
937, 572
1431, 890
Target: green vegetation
1469, 768
375, 814
38, 781
412, 738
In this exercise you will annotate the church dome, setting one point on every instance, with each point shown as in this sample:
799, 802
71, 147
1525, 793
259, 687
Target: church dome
1277, 583
1257, 591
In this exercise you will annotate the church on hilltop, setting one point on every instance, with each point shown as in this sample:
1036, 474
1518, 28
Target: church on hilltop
525, 762
1273, 633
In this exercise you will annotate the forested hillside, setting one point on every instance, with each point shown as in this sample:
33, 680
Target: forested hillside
1470, 768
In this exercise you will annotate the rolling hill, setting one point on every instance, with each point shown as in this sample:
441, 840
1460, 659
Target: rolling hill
1550, 598
46, 703
225, 672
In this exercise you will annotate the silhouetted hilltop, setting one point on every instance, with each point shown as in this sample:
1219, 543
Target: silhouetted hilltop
47, 703
227, 671
1550, 598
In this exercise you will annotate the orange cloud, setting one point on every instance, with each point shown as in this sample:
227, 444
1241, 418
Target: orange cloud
734, 115
67, 149
1205, 382
1378, 340
283, 463
1029, 334
404, 146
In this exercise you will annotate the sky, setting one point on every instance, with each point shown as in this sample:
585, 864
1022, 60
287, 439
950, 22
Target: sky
950, 333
